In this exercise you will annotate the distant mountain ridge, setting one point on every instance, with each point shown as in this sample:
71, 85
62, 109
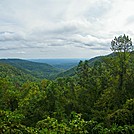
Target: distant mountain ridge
63, 64
43, 70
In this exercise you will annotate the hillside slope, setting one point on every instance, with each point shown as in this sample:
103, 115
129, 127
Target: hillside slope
39, 70
14, 74
71, 72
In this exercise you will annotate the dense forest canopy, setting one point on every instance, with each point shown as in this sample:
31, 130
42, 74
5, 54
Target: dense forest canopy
97, 99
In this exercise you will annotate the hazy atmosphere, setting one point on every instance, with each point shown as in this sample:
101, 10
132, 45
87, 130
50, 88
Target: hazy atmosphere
62, 28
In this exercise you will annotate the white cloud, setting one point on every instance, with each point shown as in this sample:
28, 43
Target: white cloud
62, 28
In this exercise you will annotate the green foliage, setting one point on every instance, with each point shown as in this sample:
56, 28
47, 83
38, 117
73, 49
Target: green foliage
122, 44
129, 105
76, 125
10, 122
68, 73
51, 125
8, 95
30, 103
121, 117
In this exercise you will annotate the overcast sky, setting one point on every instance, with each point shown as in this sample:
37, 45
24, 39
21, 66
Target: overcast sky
62, 28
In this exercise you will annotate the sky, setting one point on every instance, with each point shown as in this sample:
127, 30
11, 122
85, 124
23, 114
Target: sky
62, 28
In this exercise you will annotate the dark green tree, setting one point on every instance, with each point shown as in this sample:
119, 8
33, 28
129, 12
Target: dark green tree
122, 46
83, 73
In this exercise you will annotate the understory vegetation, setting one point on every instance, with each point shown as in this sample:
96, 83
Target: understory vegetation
98, 99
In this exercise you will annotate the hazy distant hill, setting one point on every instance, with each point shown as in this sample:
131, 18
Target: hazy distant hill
63, 64
39, 70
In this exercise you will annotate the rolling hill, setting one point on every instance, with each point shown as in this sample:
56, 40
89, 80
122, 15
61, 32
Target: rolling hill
38, 70
14, 74
44, 70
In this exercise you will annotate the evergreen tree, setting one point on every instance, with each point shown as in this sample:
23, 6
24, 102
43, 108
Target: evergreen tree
122, 46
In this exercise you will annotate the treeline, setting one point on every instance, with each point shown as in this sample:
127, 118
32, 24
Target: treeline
99, 99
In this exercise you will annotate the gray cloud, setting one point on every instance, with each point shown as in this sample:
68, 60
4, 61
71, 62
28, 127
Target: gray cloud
99, 48
10, 36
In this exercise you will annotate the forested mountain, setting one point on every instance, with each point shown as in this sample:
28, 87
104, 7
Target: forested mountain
39, 70
14, 74
72, 71
91, 63
98, 99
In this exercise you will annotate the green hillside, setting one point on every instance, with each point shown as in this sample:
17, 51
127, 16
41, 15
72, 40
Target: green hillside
72, 71
39, 70
91, 62
14, 74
